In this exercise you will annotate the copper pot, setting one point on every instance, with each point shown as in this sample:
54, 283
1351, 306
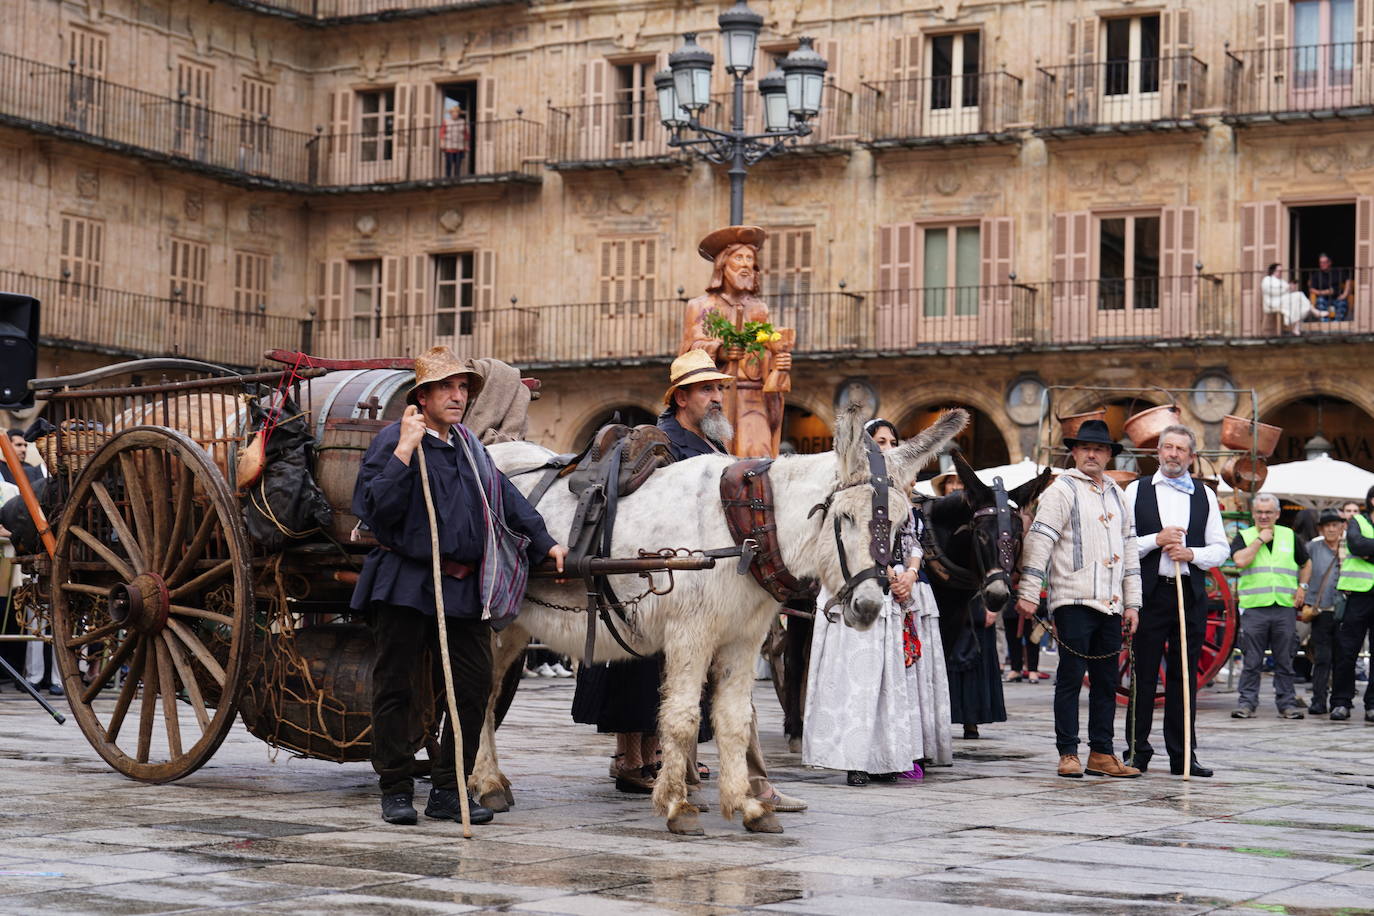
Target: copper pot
1240, 434
1122, 478
1069, 426
1143, 428
1245, 474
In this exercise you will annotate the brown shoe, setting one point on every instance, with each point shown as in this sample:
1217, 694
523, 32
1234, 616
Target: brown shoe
1070, 767
1109, 765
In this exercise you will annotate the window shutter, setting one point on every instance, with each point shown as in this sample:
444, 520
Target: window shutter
1070, 296
422, 117
1261, 237
484, 132
1363, 280
404, 96
1178, 273
995, 242
594, 126
1278, 39
340, 131
486, 282
895, 320
643, 273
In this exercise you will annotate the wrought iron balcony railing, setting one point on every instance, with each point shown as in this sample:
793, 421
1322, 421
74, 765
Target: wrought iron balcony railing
122, 323
939, 109
608, 133
835, 128
1121, 95
246, 150
328, 12
1302, 80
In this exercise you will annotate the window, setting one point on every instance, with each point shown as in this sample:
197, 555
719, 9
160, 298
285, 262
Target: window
365, 293
628, 275
255, 114
1132, 55
1323, 45
453, 294
189, 262
635, 105
250, 284
193, 107
83, 244
377, 125
787, 265
1128, 256
86, 58
954, 71
950, 263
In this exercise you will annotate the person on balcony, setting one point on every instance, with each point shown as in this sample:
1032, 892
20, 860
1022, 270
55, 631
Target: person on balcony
1330, 290
1283, 298
453, 140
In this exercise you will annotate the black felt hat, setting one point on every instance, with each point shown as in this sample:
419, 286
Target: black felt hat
1096, 432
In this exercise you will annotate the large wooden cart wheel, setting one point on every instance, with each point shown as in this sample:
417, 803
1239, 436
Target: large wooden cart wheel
1219, 638
152, 595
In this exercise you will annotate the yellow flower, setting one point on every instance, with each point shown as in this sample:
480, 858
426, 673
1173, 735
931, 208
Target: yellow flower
775, 336
762, 337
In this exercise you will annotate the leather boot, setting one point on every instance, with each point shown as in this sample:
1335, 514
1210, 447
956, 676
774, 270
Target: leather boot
1109, 765
1070, 766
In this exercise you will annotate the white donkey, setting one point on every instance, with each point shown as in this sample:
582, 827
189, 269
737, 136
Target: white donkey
712, 619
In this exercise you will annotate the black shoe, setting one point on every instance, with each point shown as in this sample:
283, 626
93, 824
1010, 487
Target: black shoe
1176, 767
443, 805
1340, 713
884, 777
1140, 761
1318, 708
857, 778
56, 690
397, 808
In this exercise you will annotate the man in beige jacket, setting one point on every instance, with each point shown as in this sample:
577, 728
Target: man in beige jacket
1082, 543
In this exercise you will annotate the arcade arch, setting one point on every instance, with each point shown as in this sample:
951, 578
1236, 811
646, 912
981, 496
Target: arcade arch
1349, 428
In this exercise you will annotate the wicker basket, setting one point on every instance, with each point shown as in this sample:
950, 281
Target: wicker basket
69, 450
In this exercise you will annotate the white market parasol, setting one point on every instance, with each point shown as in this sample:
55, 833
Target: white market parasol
1318, 481
1013, 475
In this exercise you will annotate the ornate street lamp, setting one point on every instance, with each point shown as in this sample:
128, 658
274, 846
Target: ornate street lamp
791, 98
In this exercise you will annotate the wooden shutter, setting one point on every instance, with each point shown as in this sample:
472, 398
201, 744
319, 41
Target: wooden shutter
422, 115
485, 130
1363, 279
341, 105
643, 273
995, 244
1260, 242
83, 243
1178, 271
1271, 38
486, 282
897, 265
1077, 94
404, 96
1071, 296
592, 131
418, 294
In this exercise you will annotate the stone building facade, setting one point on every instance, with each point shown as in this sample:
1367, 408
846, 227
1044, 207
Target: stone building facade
998, 197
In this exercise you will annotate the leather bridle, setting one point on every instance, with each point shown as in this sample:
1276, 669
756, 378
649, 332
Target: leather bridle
879, 530
1004, 546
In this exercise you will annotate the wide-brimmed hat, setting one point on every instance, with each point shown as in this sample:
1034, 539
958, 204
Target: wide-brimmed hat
1096, 432
692, 367
721, 239
940, 482
439, 363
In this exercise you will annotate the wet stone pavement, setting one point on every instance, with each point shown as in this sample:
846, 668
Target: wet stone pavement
1287, 826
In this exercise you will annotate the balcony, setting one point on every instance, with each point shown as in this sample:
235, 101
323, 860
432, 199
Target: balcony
609, 135
128, 324
833, 131
339, 12
1147, 94
249, 152
1303, 82
940, 110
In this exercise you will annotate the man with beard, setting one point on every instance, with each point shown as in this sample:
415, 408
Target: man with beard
1177, 516
695, 423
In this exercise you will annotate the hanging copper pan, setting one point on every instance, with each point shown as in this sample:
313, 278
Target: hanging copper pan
1239, 433
1244, 473
1069, 426
1144, 428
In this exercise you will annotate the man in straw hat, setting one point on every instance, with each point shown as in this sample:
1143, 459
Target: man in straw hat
695, 423
396, 589
1083, 542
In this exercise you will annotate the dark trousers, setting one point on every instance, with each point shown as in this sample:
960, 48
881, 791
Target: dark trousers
403, 636
1156, 640
1020, 657
1273, 628
1357, 623
1083, 630
453, 164
796, 656
1323, 648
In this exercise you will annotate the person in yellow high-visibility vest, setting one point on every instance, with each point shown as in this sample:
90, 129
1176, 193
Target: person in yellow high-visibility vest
1273, 561
1357, 621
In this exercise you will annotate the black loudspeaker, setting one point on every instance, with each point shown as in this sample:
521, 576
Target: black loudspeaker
18, 349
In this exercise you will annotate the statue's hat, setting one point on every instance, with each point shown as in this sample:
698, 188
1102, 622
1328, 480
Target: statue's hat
692, 367
439, 363
721, 239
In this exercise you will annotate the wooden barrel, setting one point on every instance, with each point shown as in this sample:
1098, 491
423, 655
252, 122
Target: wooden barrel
347, 409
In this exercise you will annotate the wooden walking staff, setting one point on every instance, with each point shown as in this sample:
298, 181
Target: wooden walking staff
1189, 677
443, 645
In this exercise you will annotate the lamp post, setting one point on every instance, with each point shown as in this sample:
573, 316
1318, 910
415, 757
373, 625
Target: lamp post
791, 99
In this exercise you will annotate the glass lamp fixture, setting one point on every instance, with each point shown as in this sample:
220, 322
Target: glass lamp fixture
804, 72
691, 67
773, 88
669, 111
739, 30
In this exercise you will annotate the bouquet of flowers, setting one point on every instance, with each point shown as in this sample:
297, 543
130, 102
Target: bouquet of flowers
752, 338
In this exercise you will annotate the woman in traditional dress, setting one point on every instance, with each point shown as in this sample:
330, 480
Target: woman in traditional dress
860, 714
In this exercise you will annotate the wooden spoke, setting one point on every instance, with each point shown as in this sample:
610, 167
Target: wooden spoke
218, 571
83, 589
185, 489
188, 677
202, 614
126, 692
161, 506
207, 524
95, 635
202, 654
168, 683
126, 537
149, 707
137, 496
105, 553
110, 667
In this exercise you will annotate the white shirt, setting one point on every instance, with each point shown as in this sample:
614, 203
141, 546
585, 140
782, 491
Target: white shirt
1174, 508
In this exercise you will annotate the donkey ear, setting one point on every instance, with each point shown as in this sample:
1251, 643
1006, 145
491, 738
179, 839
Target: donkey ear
906, 461
972, 484
1025, 494
850, 454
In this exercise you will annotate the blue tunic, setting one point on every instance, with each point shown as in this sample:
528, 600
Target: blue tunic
389, 500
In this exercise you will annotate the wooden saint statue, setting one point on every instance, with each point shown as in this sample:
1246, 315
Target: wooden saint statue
754, 403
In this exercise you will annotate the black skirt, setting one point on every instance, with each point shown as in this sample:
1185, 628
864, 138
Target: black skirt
619, 697
975, 693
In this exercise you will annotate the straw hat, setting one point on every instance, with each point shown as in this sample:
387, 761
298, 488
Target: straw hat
940, 482
721, 239
439, 363
692, 367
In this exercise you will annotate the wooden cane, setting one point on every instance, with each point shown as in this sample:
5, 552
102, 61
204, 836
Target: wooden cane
1188, 677
443, 646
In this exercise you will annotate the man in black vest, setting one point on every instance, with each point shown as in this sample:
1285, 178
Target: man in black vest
1179, 533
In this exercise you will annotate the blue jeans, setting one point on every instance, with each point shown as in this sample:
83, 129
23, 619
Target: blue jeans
1339, 309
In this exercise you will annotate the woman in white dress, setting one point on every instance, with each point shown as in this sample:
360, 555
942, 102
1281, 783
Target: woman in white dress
860, 711
928, 683
1286, 300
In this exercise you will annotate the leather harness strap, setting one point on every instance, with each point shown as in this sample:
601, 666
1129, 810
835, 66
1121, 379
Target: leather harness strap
746, 494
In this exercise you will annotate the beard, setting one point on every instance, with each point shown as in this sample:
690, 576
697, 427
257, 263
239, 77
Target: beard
716, 426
